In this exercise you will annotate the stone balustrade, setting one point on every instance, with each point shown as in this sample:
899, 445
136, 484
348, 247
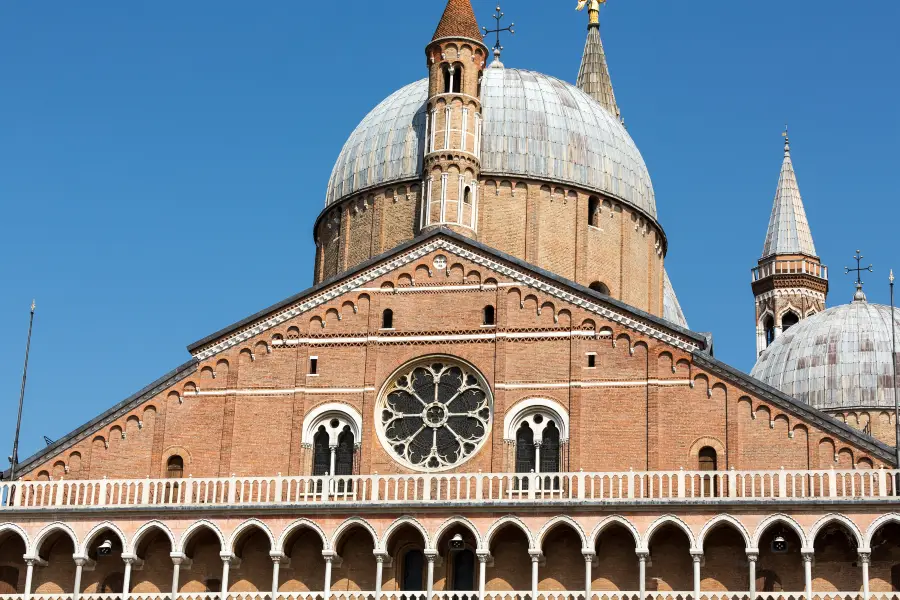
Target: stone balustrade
796, 486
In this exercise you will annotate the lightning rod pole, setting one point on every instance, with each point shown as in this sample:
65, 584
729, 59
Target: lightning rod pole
14, 459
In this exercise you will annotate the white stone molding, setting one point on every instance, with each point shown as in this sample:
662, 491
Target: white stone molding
525, 411
44, 533
508, 520
835, 519
349, 524
323, 414
359, 280
249, 524
878, 524
615, 520
668, 520
201, 524
783, 520
560, 521
723, 520
147, 528
457, 520
100, 528
301, 524
397, 524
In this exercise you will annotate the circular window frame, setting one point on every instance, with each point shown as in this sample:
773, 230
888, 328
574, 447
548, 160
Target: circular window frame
409, 365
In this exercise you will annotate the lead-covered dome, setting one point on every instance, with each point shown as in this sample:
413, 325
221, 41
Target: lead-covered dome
839, 359
535, 126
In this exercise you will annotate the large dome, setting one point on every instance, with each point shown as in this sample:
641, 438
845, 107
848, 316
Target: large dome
535, 126
839, 359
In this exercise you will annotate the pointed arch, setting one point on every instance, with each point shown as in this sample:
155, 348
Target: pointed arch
349, 524
503, 522
148, 528
397, 524
831, 519
878, 524
616, 520
250, 524
668, 520
726, 521
16, 530
196, 526
782, 519
50, 529
558, 521
297, 525
458, 520
98, 529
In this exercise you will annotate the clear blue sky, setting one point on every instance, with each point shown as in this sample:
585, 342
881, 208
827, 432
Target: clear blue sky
162, 163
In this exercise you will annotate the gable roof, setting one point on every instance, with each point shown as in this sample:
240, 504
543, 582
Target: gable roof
697, 343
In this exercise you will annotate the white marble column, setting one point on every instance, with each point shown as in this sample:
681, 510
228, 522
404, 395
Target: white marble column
380, 558
430, 557
30, 563
752, 557
588, 575
642, 573
697, 557
328, 555
177, 559
126, 578
483, 558
535, 563
807, 573
864, 558
277, 559
80, 561
228, 559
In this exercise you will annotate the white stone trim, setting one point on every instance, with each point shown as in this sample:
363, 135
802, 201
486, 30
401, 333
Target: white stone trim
401, 260
345, 415
526, 411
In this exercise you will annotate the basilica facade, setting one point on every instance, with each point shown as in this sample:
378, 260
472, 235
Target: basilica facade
489, 392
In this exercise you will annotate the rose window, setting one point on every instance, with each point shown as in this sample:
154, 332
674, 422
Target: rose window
435, 413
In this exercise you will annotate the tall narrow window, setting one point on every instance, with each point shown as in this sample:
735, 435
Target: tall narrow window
480, 78
313, 365
591, 360
321, 452
709, 462
550, 449
489, 315
345, 449
387, 319
175, 467
456, 76
448, 78
769, 326
594, 211
413, 563
525, 449
467, 195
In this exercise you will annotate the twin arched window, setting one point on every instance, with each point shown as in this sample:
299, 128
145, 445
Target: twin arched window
334, 445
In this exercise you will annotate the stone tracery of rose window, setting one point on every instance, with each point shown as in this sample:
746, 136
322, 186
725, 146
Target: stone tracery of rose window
435, 413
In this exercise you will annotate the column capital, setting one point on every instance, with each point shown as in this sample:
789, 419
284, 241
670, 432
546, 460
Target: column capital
484, 556
34, 561
330, 556
535, 555
697, 555
278, 557
589, 555
431, 555
83, 561
807, 555
753, 554
180, 558
865, 556
642, 555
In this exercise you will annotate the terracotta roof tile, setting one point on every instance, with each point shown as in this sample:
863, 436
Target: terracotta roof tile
458, 21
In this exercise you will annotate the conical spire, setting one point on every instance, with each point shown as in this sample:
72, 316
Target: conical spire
593, 76
458, 21
789, 231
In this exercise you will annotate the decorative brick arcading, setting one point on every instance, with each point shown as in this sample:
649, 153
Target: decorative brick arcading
458, 21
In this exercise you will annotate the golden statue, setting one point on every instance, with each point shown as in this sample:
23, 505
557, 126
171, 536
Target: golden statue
593, 7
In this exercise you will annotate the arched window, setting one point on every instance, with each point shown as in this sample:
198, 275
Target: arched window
489, 315
175, 467
550, 449
387, 319
321, 452
708, 461
467, 195
448, 79
345, 449
456, 75
594, 211
789, 319
769, 327
411, 579
599, 286
525, 454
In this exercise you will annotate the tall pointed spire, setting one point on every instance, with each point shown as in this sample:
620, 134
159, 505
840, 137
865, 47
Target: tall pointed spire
458, 21
593, 76
789, 231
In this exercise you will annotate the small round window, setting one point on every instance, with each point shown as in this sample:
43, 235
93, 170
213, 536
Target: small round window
434, 413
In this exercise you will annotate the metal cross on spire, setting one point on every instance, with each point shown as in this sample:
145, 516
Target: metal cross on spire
498, 30
858, 270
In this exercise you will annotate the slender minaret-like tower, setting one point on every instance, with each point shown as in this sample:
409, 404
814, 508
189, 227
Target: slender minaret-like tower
789, 283
456, 58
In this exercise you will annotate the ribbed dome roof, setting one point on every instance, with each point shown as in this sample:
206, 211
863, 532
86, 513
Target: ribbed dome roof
534, 126
837, 359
